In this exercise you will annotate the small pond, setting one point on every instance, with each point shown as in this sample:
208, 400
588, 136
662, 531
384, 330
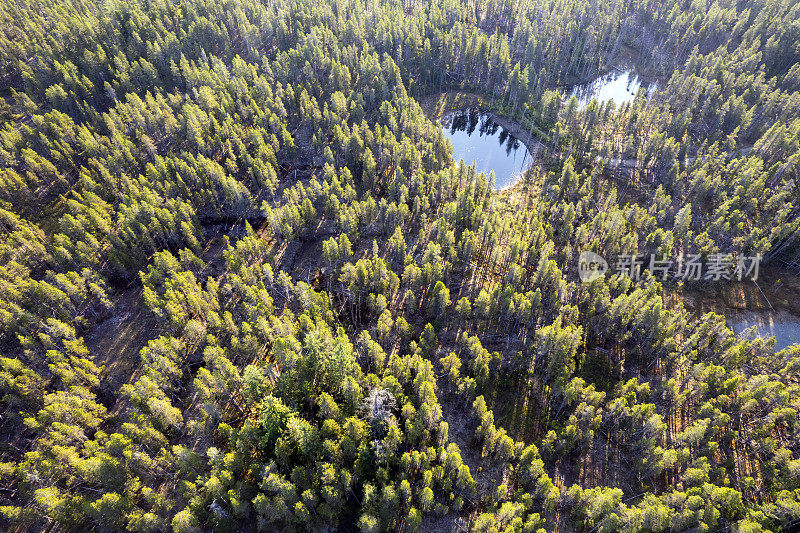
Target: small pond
783, 326
477, 138
621, 86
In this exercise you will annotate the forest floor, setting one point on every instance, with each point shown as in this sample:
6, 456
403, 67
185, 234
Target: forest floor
117, 340
486, 473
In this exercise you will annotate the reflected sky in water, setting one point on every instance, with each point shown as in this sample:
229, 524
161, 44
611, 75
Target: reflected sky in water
479, 139
619, 86
785, 328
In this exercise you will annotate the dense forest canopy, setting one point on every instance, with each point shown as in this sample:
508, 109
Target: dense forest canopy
245, 286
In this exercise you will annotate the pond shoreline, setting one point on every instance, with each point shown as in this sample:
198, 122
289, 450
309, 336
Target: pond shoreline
435, 105
534, 145
625, 58
775, 291
784, 326
769, 303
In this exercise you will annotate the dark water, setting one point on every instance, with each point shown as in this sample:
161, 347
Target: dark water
479, 139
784, 327
618, 86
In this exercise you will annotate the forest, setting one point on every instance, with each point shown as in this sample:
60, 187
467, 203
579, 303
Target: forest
246, 286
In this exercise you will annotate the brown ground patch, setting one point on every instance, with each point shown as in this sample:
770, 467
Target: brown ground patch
115, 342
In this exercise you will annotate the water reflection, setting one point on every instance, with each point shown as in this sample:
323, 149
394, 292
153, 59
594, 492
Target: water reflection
618, 86
477, 138
783, 326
